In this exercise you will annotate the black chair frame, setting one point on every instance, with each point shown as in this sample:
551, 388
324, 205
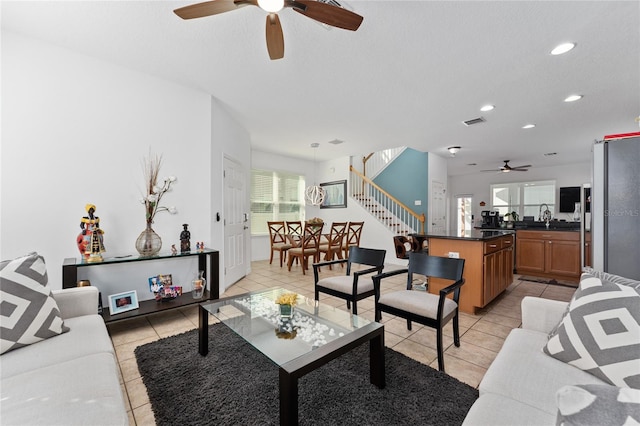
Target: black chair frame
430, 266
358, 255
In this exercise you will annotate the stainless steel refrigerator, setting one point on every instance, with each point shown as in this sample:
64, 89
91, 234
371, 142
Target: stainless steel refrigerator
615, 205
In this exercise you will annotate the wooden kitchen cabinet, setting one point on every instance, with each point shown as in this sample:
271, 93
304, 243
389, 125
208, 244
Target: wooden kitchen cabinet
488, 268
549, 254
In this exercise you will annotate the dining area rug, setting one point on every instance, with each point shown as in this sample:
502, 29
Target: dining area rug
236, 384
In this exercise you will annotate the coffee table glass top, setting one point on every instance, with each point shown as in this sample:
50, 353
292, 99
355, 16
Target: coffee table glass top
256, 318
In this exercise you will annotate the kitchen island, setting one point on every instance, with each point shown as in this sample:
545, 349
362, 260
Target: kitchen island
488, 267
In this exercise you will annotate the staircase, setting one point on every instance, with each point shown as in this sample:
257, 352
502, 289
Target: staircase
397, 217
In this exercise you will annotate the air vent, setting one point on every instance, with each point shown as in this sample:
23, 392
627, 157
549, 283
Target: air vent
474, 121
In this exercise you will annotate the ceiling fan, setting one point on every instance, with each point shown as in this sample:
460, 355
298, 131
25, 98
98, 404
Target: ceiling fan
317, 10
507, 168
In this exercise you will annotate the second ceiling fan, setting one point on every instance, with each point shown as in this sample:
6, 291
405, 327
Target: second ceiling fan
507, 168
317, 10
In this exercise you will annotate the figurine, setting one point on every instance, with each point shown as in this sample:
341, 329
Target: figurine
90, 241
201, 248
185, 239
174, 250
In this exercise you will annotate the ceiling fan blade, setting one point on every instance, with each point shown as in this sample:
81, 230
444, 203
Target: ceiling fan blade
327, 14
492, 170
208, 8
521, 167
275, 39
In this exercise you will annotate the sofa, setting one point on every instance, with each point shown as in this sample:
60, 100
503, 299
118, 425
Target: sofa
529, 382
66, 378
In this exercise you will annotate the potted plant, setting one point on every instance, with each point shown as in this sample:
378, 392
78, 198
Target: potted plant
287, 302
511, 218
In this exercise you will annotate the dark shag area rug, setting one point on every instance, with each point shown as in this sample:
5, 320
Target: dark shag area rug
236, 385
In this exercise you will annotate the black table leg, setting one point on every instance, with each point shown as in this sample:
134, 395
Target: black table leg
288, 398
203, 332
376, 360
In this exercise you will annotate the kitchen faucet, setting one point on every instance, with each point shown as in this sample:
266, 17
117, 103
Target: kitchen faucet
546, 215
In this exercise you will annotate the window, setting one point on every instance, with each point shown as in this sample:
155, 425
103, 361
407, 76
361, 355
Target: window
524, 198
275, 196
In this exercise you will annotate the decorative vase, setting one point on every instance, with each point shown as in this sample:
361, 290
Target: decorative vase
198, 285
148, 243
286, 311
576, 212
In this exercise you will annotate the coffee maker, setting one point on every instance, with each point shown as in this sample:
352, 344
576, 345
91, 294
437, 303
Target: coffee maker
490, 219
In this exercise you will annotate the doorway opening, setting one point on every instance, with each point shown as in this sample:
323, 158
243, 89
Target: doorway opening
464, 216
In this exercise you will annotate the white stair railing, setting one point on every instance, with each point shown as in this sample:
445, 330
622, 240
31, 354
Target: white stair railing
374, 163
396, 216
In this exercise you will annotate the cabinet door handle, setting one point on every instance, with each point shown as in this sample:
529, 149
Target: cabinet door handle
493, 245
549, 242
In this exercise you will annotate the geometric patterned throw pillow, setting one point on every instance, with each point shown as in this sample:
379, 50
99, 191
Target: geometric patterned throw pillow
600, 333
28, 312
597, 405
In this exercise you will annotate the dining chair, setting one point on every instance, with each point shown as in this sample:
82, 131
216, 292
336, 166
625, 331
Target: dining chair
354, 231
428, 309
354, 285
294, 229
278, 240
403, 246
333, 246
308, 247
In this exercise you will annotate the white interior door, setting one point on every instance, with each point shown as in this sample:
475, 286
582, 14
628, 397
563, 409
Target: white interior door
236, 223
438, 207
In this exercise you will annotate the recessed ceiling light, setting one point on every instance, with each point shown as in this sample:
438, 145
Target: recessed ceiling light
487, 108
563, 48
573, 98
528, 126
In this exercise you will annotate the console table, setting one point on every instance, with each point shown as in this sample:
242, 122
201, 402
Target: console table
70, 279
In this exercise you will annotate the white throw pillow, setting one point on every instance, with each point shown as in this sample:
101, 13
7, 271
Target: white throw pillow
600, 333
28, 312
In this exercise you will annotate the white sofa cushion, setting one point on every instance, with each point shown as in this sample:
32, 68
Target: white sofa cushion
521, 371
600, 333
88, 335
496, 410
28, 312
83, 391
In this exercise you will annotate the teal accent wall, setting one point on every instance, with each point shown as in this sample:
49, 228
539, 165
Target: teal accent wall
406, 178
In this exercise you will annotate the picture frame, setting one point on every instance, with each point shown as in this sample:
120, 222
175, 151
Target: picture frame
335, 195
123, 302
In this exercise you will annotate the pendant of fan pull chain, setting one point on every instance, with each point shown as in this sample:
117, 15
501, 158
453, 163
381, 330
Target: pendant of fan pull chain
322, 12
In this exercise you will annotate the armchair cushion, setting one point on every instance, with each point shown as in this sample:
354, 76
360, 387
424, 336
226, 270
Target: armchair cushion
417, 302
344, 284
28, 312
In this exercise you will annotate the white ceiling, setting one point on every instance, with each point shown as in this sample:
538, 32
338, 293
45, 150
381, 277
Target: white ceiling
409, 76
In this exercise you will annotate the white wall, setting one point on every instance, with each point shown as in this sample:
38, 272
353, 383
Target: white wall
74, 131
232, 140
477, 185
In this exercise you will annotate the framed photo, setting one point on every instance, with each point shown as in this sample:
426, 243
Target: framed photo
336, 195
123, 302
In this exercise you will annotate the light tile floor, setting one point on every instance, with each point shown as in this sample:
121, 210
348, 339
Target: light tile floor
481, 334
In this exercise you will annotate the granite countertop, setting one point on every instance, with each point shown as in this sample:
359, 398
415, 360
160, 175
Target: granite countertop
471, 235
553, 226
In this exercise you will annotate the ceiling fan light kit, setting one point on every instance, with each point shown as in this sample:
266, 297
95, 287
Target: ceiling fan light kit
322, 12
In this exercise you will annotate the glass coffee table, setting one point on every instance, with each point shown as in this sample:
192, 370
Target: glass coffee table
314, 335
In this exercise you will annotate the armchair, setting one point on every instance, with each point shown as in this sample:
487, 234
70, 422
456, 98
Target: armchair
428, 309
350, 287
